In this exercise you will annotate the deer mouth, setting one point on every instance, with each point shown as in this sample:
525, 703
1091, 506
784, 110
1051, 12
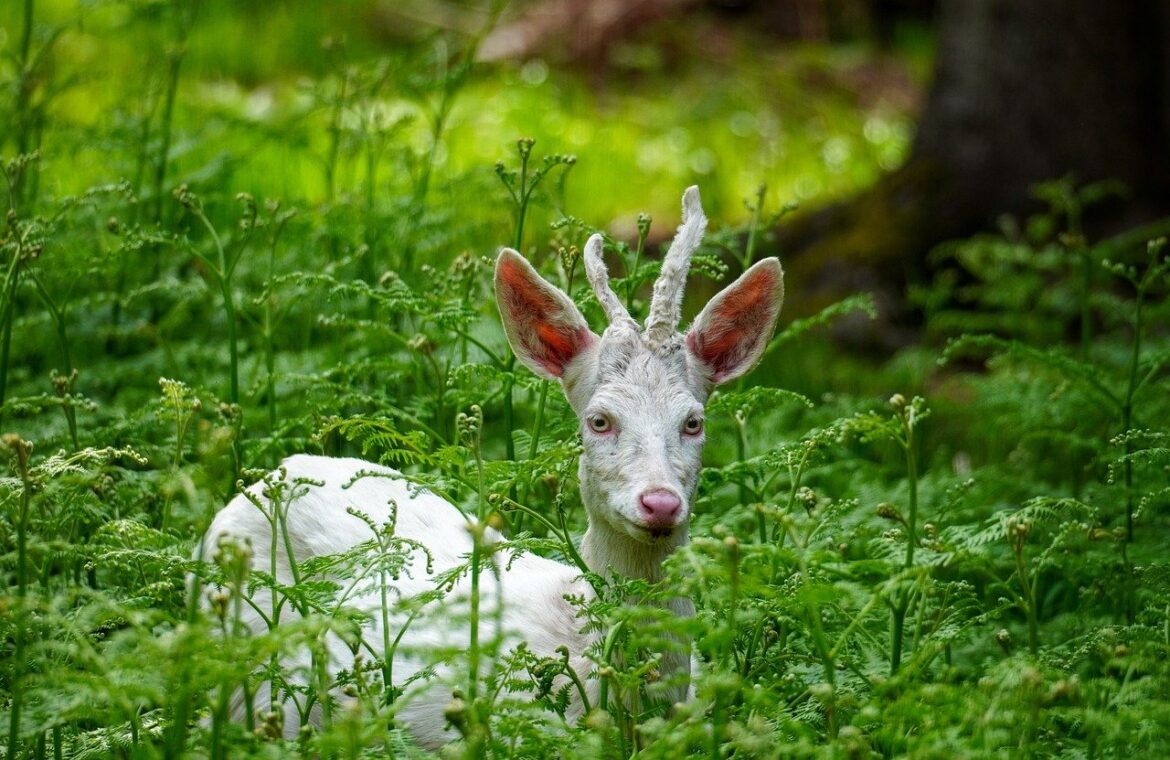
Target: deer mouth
644, 531
652, 533
660, 531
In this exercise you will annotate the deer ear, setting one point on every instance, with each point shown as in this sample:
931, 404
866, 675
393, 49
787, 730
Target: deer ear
729, 336
544, 326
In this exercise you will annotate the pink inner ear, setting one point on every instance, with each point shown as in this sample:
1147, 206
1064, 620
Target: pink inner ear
546, 336
557, 345
736, 325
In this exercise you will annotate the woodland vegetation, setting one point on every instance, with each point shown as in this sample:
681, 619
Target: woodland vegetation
236, 232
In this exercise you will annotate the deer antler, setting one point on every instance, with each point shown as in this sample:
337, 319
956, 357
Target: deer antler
666, 305
598, 277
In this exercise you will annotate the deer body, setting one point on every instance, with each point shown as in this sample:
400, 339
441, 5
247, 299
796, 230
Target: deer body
318, 524
639, 395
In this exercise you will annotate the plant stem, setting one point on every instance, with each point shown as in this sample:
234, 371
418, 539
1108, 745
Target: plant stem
22, 116
269, 352
274, 620
899, 626
795, 475
58, 316
643, 231
223, 273
1126, 423
812, 609
509, 386
757, 209
387, 651
22, 464
269, 367
473, 641
26, 37
8, 296
1029, 590
335, 138
175, 60
525, 192
475, 733
534, 443
741, 456
509, 411
160, 165
909, 446
912, 475
1127, 414
229, 308
5, 349
717, 725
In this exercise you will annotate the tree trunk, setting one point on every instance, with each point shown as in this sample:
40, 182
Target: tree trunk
1023, 91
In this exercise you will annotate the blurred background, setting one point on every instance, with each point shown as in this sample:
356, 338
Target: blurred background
815, 99
238, 230
894, 124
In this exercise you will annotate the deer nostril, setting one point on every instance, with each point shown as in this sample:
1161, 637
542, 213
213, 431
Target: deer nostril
659, 507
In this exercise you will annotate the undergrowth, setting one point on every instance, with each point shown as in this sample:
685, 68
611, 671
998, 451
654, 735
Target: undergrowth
968, 563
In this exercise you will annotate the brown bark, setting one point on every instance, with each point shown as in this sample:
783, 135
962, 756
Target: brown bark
1023, 91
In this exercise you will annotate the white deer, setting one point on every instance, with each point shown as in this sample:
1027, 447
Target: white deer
639, 394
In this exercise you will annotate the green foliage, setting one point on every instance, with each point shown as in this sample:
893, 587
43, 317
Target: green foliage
976, 570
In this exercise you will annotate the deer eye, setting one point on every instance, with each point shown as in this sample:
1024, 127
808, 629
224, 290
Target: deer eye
693, 425
599, 423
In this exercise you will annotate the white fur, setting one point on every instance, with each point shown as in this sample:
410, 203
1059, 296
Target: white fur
645, 388
318, 525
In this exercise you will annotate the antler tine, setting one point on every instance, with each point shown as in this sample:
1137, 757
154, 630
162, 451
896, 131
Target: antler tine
666, 305
598, 277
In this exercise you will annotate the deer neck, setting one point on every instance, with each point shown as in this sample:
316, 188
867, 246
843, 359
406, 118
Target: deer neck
605, 548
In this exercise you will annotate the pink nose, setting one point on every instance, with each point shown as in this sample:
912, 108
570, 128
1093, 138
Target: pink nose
659, 508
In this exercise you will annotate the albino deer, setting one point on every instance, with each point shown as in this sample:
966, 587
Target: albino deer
639, 394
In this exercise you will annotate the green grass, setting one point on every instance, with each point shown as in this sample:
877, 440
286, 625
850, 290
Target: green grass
957, 551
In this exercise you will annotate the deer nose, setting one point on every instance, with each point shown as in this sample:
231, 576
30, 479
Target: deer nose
659, 507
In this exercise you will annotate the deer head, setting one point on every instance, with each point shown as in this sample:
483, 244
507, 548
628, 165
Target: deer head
639, 393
